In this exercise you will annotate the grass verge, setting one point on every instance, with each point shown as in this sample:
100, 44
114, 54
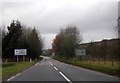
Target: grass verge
108, 69
0, 70
0, 73
12, 68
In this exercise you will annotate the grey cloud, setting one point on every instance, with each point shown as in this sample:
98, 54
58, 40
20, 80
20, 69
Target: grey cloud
119, 8
102, 17
96, 21
15, 5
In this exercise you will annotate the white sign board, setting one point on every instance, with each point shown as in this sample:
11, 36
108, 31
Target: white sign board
80, 52
20, 52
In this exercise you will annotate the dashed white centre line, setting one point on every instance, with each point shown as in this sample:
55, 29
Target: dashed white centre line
51, 63
55, 68
65, 77
62, 74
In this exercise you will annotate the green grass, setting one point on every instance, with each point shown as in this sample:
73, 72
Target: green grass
12, 68
101, 67
0, 70
0, 73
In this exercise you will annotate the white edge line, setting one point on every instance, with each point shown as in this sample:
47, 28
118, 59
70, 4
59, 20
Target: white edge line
18, 74
55, 68
11, 78
36, 64
64, 76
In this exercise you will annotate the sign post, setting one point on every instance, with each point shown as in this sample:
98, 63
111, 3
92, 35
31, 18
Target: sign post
80, 53
17, 58
23, 58
20, 52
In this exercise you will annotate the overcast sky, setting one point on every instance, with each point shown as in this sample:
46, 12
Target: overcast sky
95, 19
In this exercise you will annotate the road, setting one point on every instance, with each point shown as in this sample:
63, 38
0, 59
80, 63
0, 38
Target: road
52, 70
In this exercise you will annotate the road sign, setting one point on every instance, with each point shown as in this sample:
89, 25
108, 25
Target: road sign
20, 52
80, 52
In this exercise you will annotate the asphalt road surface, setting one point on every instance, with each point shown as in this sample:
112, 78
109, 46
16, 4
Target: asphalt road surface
52, 70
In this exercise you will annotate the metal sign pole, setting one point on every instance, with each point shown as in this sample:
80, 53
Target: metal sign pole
17, 58
23, 58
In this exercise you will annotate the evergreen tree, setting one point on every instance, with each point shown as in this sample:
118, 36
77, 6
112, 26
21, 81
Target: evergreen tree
35, 44
11, 39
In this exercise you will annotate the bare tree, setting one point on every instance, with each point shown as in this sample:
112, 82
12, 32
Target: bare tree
67, 41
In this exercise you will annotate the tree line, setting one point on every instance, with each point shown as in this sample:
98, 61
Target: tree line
118, 29
0, 43
69, 39
19, 36
105, 49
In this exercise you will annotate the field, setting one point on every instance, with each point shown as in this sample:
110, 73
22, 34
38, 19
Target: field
101, 66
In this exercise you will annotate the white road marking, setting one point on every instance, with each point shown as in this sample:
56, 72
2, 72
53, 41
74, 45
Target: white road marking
51, 63
55, 68
36, 64
65, 77
11, 78
18, 74
61, 73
